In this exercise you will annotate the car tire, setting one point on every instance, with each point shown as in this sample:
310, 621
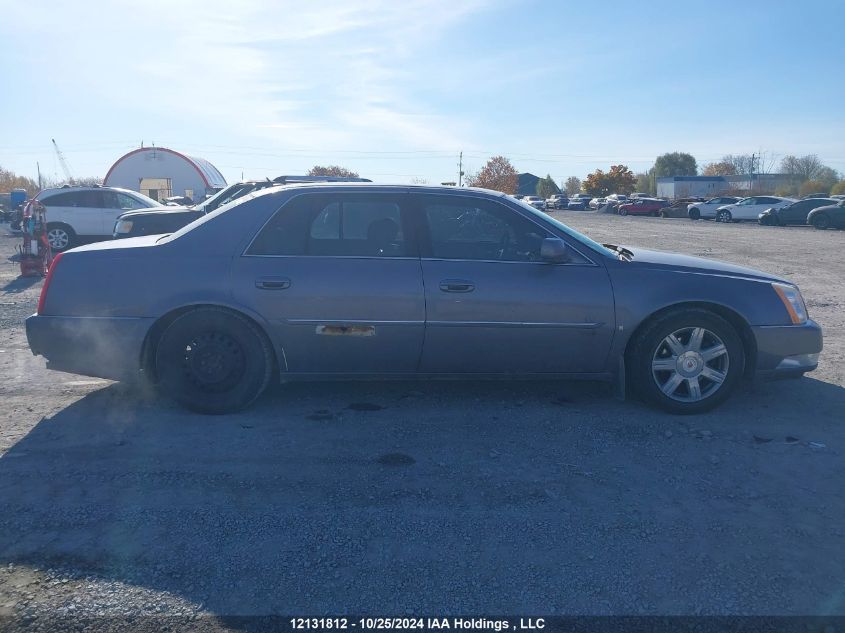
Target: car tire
724, 216
60, 237
212, 360
623, 211
695, 372
694, 214
821, 221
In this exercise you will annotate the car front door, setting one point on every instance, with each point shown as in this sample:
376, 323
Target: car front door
708, 209
494, 307
338, 278
746, 209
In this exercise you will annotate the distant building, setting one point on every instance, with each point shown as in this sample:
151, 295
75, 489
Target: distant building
160, 173
691, 186
527, 185
760, 183
673, 187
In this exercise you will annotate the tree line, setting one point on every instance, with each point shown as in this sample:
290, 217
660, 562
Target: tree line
807, 175
10, 180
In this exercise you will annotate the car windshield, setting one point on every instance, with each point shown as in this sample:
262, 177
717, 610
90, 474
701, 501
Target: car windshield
145, 199
224, 196
583, 239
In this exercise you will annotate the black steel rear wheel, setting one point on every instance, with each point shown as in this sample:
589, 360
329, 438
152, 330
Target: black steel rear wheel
213, 360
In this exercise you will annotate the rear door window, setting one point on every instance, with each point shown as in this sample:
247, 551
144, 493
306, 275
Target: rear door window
69, 199
352, 225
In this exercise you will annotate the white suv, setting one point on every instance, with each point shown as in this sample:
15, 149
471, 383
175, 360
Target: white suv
74, 212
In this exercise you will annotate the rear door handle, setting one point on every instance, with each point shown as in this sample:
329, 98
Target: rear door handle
272, 283
456, 285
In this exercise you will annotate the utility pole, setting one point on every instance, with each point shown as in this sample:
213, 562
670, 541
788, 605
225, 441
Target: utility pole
460, 168
38, 167
751, 176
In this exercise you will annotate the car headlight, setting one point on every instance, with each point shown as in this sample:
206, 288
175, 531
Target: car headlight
792, 301
123, 226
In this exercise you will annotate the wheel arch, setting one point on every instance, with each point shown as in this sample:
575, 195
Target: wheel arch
739, 323
147, 360
813, 216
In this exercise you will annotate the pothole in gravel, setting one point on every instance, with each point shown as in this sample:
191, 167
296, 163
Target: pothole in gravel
396, 459
365, 406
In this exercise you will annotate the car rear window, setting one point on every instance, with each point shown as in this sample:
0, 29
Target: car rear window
334, 226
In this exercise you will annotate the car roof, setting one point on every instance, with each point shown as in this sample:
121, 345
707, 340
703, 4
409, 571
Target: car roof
65, 188
376, 187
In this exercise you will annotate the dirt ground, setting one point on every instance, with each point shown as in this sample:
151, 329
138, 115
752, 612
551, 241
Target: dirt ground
435, 498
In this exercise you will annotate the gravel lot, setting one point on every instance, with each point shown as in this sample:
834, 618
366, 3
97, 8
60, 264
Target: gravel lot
476, 498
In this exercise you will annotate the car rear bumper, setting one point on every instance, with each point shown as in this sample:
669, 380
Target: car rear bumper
104, 347
787, 350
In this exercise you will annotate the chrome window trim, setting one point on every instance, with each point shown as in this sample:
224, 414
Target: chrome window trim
587, 263
427, 259
496, 199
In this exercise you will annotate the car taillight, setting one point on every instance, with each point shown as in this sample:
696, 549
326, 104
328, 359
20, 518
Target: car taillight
47, 281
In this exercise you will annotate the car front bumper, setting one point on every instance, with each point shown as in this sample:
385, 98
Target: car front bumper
787, 350
103, 347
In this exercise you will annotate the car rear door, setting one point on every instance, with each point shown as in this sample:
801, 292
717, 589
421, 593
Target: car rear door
493, 307
80, 209
115, 203
795, 213
338, 278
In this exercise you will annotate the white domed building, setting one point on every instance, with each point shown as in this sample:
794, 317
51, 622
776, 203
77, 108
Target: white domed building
160, 173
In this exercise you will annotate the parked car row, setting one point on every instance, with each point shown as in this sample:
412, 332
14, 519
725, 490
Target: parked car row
820, 211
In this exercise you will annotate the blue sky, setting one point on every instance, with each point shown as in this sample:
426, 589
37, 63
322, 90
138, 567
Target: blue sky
395, 89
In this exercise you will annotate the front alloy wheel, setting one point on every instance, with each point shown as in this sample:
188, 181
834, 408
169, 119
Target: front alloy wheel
690, 364
724, 216
688, 360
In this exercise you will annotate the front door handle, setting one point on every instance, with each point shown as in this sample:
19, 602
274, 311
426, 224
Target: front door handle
456, 285
272, 283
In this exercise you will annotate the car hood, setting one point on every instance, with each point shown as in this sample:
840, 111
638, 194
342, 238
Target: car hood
700, 265
159, 211
828, 207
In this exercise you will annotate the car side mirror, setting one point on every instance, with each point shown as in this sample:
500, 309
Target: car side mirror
554, 250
